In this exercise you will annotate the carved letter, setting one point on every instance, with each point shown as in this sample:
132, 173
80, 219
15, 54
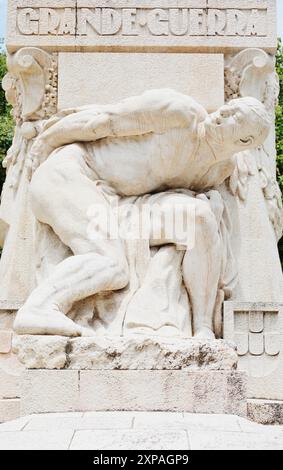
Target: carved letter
236, 23
179, 21
158, 22
129, 22
87, 16
256, 24
216, 22
111, 21
49, 21
28, 21
197, 22
68, 22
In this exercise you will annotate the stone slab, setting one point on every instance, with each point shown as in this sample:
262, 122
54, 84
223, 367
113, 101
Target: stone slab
49, 391
45, 391
9, 385
211, 440
36, 440
5, 341
199, 392
134, 440
124, 353
9, 409
121, 75
133, 25
266, 411
260, 353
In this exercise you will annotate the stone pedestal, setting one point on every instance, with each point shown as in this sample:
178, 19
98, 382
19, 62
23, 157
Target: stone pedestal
130, 373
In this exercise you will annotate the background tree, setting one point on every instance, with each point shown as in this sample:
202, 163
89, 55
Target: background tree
6, 121
279, 127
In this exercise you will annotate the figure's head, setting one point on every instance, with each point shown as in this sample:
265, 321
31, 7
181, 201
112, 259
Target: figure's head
242, 124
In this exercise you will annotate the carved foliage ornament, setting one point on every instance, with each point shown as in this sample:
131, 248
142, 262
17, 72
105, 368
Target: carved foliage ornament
31, 84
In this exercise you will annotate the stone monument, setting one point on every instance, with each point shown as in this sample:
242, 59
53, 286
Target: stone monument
140, 214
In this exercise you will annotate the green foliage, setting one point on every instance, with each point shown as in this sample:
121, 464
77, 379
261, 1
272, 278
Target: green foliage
279, 116
279, 128
6, 121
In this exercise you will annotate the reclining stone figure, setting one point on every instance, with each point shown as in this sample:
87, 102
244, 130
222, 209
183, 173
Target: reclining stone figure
162, 144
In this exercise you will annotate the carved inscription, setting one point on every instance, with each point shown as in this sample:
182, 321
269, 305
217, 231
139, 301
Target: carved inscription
141, 22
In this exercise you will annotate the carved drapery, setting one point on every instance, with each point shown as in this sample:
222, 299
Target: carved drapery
31, 88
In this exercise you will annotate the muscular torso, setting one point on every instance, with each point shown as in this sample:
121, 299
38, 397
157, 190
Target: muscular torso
149, 163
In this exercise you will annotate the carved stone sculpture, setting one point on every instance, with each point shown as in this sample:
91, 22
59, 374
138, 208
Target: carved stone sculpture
161, 148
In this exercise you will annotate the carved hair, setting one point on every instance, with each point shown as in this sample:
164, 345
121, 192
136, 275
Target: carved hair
260, 119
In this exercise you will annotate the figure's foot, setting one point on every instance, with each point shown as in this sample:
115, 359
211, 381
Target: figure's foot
204, 333
31, 321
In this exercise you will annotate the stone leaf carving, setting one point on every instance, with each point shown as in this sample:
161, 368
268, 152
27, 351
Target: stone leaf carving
252, 73
31, 84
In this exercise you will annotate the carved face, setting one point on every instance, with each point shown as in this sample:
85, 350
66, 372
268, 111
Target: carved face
235, 126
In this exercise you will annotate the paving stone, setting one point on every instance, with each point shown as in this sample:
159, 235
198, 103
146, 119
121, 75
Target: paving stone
87, 421
15, 425
129, 440
212, 440
36, 440
159, 420
217, 422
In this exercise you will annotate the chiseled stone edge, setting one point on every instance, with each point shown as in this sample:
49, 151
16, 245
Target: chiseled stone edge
124, 353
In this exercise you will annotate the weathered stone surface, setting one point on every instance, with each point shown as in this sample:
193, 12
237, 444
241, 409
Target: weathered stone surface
45, 391
181, 72
44, 352
133, 352
9, 409
152, 390
53, 391
9, 385
142, 25
5, 341
266, 411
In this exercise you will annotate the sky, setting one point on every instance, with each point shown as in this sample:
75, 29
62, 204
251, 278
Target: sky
3, 9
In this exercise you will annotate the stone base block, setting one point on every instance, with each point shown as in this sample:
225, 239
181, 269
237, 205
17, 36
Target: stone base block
266, 411
9, 409
124, 353
214, 392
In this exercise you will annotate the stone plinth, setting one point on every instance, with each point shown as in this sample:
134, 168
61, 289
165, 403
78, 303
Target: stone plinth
124, 353
129, 373
214, 392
